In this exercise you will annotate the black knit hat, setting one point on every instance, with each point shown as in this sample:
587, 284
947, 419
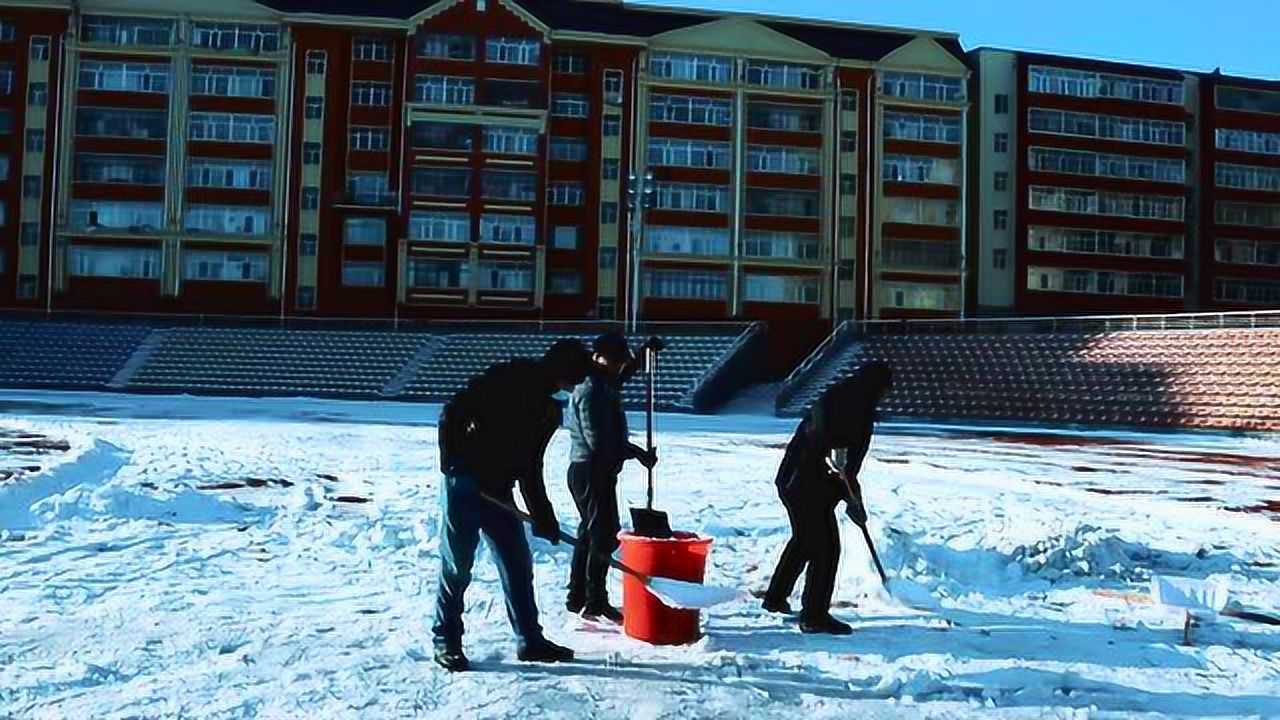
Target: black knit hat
568, 360
612, 346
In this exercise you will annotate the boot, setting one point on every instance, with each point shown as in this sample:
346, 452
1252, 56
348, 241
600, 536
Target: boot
450, 658
824, 624
574, 605
603, 613
543, 650
782, 607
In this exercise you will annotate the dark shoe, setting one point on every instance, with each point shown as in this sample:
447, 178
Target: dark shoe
778, 606
603, 613
825, 625
543, 650
574, 605
452, 659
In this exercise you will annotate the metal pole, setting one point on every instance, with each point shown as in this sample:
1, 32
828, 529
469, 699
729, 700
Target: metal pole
651, 361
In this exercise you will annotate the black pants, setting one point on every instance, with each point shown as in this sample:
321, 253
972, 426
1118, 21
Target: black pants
815, 543
595, 492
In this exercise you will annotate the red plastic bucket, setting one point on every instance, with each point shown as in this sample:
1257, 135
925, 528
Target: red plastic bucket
645, 617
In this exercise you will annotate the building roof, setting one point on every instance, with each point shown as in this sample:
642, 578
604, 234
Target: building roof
836, 39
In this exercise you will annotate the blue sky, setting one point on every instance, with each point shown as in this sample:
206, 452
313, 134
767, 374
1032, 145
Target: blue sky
1240, 36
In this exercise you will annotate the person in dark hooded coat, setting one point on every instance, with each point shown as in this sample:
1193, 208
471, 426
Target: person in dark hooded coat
811, 487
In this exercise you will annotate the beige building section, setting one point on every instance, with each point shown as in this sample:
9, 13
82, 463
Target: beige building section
996, 288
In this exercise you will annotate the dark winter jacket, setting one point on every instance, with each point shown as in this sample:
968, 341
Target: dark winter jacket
598, 425
497, 430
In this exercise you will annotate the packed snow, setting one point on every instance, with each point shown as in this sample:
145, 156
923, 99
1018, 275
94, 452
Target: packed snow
242, 558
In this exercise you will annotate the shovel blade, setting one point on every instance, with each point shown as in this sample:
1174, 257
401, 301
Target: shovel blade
690, 596
650, 523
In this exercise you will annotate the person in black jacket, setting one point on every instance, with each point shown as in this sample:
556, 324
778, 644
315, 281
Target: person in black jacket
810, 487
492, 434
599, 446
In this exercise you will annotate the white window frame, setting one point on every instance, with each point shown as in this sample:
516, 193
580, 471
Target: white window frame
370, 93
512, 50
225, 266
508, 229
144, 262
233, 81
504, 140
371, 49
444, 90
229, 173
572, 105
437, 226
566, 194
239, 127
370, 138
112, 76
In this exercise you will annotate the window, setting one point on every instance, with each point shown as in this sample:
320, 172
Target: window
35, 140
444, 90
608, 258
848, 184
356, 273
377, 94
921, 169
918, 86
124, 76
690, 110
693, 197
848, 141
116, 215
439, 274
7, 31
29, 234
306, 297
510, 185
447, 47
780, 244
123, 169
370, 188
1104, 242
784, 75
610, 169
6, 78
613, 87
999, 258
565, 237
1252, 141
137, 124
608, 213
4, 168
699, 68
221, 266
1127, 129
1000, 220
233, 127
922, 211
569, 64
4, 214
308, 244
792, 118
913, 254
1128, 167
1248, 177
1251, 292
229, 219
232, 81
372, 49
1001, 142
512, 51
791, 203
780, 159
365, 231
370, 138
569, 105
780, 288
1002, 104
38, 94
565, 193
564, 282
27, 285
672, 152
516, 276
679, 240
1104, 282
445, 182
920, 296
1001, 181
922, 128
1247, 252
109, 30
316, 61
1089, 202
442, 136
1248, 214
6, 122
1079, 83
1258, 101
450, 227
310, 198
612, 126
314, 108
311, 153
514, 141
685, 284
849, 101
114, 262
513, 94
510, 229
568, 149
236, 36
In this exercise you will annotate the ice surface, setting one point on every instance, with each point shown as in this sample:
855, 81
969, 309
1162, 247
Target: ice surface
240, 558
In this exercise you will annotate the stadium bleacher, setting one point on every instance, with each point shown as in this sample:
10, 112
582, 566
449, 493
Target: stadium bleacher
68, 356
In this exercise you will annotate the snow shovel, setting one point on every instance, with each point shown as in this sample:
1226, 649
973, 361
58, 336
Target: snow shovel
677, 594
645, 521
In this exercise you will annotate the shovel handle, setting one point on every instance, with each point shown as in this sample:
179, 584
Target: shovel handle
866, 536
566, 537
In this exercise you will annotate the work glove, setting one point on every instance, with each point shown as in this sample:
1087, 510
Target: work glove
856, 511
648, 458
655, 343
547, 528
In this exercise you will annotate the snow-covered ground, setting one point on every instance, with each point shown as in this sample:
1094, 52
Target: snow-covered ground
277, 558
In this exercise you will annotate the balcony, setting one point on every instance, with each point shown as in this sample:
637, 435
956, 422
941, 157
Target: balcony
369, 198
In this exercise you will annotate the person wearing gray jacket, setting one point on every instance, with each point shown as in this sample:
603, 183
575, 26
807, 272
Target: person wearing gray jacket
600, 444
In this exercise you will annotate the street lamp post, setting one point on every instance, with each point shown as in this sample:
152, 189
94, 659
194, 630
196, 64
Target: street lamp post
641, 196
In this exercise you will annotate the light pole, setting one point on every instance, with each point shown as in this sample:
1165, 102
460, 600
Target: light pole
641, 196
